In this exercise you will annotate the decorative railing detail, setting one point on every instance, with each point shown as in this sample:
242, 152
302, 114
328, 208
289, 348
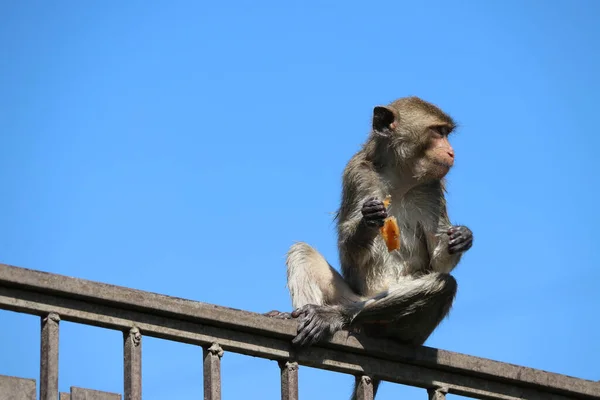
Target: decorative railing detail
217, 329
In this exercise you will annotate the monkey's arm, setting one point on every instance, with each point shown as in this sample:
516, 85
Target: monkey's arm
362, 226
448, 244
360, 215
415, 305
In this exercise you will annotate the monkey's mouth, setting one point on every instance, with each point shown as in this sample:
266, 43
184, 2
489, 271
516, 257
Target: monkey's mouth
443, 164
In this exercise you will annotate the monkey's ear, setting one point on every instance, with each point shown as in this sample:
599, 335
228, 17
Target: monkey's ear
384, 119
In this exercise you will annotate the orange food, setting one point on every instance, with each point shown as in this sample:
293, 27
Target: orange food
391, 233
390, 230
387, 201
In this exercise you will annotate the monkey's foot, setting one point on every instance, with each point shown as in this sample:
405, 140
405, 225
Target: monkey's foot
316, 323
278, 314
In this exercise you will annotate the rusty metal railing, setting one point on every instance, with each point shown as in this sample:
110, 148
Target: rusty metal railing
218, 329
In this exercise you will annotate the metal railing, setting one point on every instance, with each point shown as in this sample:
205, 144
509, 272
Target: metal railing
217, 329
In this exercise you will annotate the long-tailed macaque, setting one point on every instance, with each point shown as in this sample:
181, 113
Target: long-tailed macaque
403, 294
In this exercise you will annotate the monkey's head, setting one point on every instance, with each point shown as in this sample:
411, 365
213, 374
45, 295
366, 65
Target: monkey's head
415, 134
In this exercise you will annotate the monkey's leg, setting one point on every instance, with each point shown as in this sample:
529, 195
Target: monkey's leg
408, 311
411, 296
415, 326
311, 280
422, 302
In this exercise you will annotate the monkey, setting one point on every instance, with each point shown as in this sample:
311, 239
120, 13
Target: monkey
402, 295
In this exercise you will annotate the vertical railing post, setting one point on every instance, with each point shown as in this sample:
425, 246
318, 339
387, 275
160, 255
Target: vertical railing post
289, 380
132, 364
364, 388
49, 357
212, 372
437, 393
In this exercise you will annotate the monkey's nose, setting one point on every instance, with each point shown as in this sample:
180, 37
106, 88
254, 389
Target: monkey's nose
451, 154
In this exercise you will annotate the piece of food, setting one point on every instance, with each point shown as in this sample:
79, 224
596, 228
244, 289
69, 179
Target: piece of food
387, 201
391, 233
390, 230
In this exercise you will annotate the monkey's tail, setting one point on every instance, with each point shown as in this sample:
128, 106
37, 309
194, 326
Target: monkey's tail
376, 383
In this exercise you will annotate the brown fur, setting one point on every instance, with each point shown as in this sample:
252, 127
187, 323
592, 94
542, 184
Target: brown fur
402, 295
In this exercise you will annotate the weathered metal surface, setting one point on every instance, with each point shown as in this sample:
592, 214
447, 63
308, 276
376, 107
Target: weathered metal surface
289, 380
340, 361
49, 356
437, 394
248, 333
212, 372
132, 362
13, 388
364, 388
78, 393
276, 349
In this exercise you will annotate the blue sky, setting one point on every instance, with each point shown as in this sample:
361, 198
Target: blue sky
135, 136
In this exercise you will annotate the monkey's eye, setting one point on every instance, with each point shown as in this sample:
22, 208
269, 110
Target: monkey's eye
440, 131
443, 130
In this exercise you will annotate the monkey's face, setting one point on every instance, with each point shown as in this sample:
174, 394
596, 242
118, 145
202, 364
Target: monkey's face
417, 132
437, 156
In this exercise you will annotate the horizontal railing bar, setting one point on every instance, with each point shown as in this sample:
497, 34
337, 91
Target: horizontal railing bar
260, 346
99, 294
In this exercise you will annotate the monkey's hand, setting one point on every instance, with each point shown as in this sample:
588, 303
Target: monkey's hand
374, 213
316, 323
460, 239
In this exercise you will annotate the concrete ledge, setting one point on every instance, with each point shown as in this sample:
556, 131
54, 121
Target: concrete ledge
78, 393
13, 388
